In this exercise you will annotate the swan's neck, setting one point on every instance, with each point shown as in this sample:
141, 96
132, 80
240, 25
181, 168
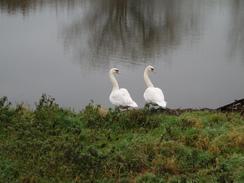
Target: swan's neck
147, 79
114, 81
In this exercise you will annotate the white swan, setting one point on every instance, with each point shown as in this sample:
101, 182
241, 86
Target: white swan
153, 95
119, 96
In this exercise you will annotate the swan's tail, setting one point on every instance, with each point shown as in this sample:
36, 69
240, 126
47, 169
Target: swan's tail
133, 104
162, 104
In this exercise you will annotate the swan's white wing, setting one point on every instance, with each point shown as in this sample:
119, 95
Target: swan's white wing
154, 95
122, 97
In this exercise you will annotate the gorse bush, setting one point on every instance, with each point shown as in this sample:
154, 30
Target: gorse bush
52, 144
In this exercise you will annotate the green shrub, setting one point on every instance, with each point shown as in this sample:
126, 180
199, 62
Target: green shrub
8, 171
149, 178
52, 144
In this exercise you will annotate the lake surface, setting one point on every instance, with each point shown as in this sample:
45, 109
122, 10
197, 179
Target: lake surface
64, 48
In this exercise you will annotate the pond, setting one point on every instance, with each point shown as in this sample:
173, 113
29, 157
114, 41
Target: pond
64, 48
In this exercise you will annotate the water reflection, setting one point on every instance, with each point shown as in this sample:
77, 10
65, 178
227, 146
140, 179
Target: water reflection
236, 29
133, 30
25, 6
196, 45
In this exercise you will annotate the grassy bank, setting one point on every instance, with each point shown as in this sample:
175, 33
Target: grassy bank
51, 144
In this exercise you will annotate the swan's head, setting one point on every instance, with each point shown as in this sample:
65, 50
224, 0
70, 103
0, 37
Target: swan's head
150, 68
114, 71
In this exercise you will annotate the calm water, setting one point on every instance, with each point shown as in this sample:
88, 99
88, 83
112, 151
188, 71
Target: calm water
65, 47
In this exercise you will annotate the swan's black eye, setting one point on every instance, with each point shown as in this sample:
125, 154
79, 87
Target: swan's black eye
116, 70
152, 69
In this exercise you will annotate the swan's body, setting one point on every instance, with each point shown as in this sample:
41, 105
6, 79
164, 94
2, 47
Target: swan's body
119, 96
153, 95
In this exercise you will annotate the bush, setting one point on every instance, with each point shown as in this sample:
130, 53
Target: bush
51, 144
130, 119
149, 178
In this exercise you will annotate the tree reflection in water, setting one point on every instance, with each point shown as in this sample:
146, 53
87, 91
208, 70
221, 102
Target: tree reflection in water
25, 6
131, 30
236, 29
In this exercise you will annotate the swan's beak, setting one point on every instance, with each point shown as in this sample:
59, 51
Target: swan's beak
152, 69
117, 71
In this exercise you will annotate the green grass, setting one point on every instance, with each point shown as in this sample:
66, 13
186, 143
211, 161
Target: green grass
51, 144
